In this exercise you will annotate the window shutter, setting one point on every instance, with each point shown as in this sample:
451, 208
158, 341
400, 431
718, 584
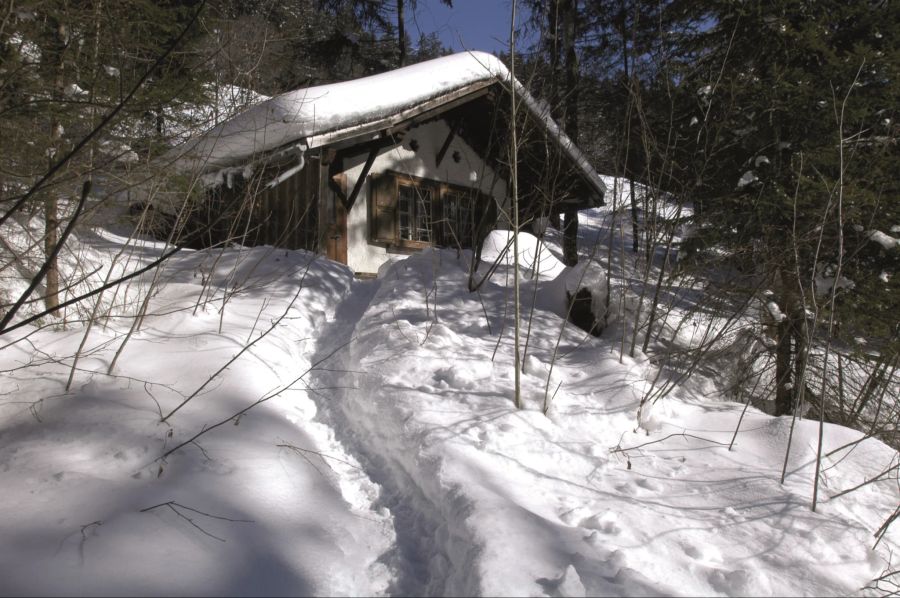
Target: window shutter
383, 208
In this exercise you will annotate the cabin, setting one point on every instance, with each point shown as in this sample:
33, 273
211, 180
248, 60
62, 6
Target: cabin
366, 170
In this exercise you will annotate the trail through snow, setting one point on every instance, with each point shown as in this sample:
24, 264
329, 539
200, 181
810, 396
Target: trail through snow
428, 557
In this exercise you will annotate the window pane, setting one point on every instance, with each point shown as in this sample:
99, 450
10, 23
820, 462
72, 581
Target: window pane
459, 219
423, 213
414, 209
405, 208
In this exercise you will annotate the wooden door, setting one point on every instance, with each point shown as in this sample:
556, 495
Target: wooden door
334, 221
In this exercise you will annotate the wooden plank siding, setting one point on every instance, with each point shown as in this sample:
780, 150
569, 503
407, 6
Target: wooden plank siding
250, 212
286, 215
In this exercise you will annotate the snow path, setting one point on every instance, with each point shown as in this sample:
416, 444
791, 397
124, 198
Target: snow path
430, 557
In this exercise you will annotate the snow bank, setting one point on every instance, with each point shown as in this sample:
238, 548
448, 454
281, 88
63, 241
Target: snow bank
252, 507
534, 256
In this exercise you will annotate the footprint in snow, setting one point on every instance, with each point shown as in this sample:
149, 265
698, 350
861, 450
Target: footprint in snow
678, 468
730, 583
626, 488
637, 487
605, 523
707, 553
572, 516
648, 484
734, 515
617, 559
567, 584
477, 436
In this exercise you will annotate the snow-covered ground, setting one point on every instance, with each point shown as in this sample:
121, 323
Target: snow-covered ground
382, 452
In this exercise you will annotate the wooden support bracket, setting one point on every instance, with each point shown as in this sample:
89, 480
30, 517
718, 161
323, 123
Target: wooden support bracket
335, 171
443, 151
373, 153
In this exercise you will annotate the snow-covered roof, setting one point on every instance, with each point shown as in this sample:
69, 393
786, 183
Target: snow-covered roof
316, 116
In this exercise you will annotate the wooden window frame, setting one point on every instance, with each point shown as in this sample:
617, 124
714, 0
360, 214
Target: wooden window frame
389, 182
419, 187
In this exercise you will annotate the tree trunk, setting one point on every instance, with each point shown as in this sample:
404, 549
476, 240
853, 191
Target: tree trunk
570, 237
801, 354
51, 201
571, 66
401, 33
568, 17
786, 377
635, 230
783, 369
51, 221
628, 171
554, 48
514, 176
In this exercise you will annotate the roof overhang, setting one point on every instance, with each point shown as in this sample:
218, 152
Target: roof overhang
403, 119
334, 114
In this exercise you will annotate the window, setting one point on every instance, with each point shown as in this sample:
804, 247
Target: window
459, 218
410, 212
414, 208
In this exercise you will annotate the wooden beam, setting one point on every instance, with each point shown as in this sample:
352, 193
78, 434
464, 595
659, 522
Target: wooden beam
443, 151
337, 157
335, 170
362, 177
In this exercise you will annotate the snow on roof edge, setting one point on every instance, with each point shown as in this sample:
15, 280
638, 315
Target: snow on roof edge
326, 137
359, 104
566, 143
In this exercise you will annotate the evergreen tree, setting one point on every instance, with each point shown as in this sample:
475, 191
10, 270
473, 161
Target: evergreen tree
558, 81
67, 68
788, 135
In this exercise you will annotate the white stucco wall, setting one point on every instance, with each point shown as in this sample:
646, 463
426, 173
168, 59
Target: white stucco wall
470, 171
